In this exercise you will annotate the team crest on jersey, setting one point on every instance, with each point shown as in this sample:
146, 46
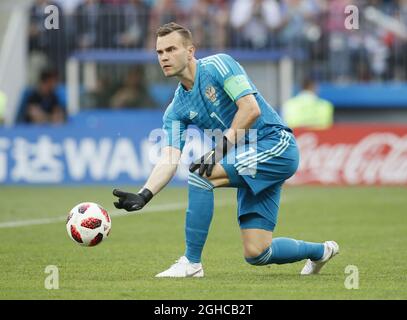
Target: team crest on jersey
210, 93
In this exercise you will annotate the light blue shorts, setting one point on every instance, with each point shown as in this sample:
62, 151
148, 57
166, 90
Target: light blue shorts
258, 172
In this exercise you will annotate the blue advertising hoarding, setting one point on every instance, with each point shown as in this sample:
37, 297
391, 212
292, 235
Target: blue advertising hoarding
93, 148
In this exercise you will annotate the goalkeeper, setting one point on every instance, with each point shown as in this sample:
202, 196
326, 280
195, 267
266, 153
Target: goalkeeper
216, 93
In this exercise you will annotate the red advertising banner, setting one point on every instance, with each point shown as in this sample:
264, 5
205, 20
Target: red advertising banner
352, 155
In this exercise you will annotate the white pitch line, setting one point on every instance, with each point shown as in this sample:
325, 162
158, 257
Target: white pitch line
113, 213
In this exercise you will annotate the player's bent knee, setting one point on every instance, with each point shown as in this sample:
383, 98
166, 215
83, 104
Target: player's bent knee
252, 250
219, 177
256, 242
258, 259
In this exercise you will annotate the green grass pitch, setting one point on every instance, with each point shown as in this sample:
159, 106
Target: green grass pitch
369, 223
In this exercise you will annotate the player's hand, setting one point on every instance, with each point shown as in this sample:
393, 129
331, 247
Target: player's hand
132, 201
208, 161
205, 164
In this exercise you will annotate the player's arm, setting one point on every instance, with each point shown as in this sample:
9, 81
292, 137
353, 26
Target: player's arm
245, 117
162, 173
164, 169
247, 114
232, 77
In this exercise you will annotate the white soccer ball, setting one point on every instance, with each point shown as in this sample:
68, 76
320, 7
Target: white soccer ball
88, 224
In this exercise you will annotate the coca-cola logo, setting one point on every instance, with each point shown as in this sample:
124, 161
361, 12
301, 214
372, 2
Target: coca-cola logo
377, 158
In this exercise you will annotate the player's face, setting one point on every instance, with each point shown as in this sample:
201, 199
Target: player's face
173, 55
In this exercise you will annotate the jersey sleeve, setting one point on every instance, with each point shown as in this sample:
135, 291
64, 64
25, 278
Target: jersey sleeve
231, 76
174, 129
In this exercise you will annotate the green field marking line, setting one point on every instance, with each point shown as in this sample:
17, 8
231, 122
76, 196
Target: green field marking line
113, 213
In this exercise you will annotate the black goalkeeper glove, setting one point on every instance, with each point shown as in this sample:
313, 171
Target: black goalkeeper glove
208, 160
132, 201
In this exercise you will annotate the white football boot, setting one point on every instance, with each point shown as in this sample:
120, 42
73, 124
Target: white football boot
182, 268
313, 267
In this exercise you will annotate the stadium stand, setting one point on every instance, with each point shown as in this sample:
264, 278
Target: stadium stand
354, 68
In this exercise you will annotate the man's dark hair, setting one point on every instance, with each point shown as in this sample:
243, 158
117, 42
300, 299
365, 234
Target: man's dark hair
171, 27
48, 74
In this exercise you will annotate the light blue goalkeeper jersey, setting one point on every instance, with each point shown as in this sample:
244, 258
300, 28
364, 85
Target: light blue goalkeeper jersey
211, 104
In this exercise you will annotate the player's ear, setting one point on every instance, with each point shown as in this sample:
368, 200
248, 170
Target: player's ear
191, 51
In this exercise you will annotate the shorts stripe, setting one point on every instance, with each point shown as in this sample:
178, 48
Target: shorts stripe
277, 150
251, 150
276, 154
254, 157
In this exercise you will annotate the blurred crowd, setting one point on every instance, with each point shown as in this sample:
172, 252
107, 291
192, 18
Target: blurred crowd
316, 27
375, 51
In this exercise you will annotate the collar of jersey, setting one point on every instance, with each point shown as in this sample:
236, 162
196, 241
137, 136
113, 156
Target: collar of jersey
196, 80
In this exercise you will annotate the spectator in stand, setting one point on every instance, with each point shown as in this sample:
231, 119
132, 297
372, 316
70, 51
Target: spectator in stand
115, 2
134, 93
99, 96
163, 11
46, 47
339, 44
70, 6
39, 37
400, 65
254, 21
69, 11
111, 22
135, 15
378, 40
308, 110
209, 20
402, 6
43, 105
88, 24
298, 21
187, 5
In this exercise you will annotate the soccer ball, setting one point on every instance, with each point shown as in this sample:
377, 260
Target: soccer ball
88, 224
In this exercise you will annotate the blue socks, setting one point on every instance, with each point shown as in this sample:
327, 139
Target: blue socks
198, 217
286, 250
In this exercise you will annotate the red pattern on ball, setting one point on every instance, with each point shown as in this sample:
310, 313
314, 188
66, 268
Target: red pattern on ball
96, 240
75, 234
91, 223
